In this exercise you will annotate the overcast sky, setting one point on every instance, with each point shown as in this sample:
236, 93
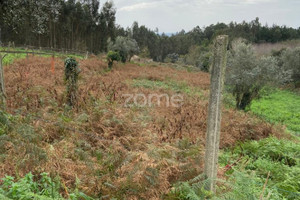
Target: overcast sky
171, 16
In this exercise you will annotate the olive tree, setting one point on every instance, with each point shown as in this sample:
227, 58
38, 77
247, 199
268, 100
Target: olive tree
247, 73
291, 61
125, 46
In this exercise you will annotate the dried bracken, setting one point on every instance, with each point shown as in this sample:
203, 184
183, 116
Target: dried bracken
123, 152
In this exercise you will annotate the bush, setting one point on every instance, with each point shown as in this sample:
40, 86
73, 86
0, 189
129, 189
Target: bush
173, 58
247, 74
200, 57
125, 46
111, 57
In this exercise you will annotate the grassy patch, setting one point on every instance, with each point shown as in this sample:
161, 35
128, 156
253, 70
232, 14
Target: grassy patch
279, 107
178, 87
11, 57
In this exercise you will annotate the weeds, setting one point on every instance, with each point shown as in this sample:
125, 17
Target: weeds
280, 158
247, 167
279, 107
27, 188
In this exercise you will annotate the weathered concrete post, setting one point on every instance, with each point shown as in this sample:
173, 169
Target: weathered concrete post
214, 111
2, 86
87, 55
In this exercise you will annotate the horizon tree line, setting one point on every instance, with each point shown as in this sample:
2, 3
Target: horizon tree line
84, 25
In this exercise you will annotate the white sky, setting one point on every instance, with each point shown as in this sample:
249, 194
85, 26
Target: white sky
171, 16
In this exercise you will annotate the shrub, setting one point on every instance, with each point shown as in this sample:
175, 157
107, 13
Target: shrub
200, 57
173, 58
111, 57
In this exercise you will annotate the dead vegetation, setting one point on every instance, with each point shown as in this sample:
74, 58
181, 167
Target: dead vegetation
115, 151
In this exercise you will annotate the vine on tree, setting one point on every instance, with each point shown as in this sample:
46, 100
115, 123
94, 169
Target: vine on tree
71, 77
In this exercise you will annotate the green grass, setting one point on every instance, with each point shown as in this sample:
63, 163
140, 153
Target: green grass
178, 87
279, 106
11, 57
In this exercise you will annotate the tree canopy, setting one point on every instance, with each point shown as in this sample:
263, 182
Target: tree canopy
248, 73
84, 25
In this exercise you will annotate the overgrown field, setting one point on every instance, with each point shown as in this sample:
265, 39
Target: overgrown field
106, 150
279, 106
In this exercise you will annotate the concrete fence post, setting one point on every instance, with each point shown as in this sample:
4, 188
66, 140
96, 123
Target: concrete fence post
214, 111
2, 86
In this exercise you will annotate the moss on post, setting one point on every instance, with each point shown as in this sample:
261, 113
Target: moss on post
71, 77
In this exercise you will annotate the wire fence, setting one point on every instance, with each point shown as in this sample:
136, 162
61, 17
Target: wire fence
40, 50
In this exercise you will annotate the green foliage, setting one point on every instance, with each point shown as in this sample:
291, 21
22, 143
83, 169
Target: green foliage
125, 46
5, 123
279, 107
191, 190
111, 57
11, 57
200, 57
71, 76
245, 185
248, 165
144, 53
247, 74
28, 188
183, 191
30, 25
280, 158
291, 61
172, 57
